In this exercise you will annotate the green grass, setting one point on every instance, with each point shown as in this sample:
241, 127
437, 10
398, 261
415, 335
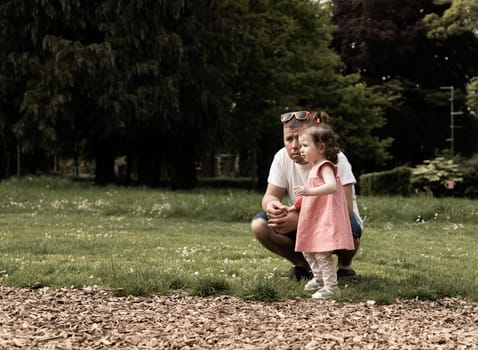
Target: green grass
142, 241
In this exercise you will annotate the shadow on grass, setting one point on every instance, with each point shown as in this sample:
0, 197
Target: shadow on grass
386, 290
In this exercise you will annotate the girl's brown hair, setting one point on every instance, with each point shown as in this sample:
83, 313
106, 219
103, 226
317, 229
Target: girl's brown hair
324, 134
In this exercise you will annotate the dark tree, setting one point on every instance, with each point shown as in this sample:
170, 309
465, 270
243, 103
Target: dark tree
386, 41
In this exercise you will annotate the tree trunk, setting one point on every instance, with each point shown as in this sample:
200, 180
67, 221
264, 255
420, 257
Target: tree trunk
183, 170
105, 162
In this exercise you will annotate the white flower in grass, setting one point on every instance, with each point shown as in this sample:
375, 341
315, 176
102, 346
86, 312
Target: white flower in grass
17, 204
159, 208
84, 205
101, 202
185, 252
56, 204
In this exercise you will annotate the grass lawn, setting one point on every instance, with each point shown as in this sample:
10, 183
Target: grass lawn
58, 233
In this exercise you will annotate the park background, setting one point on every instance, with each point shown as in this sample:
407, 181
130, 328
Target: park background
166, 93
174, 97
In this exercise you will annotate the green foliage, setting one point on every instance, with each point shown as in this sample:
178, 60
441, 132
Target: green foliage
461, 16
288, 65
387, 42
434, 173
470, 176
472, 96
285, 62
356, 112
101, 79
391, 182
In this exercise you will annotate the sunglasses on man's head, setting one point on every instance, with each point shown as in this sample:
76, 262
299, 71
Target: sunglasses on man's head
301, 115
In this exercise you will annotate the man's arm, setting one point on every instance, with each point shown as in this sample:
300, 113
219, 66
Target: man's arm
272, 199
348, 189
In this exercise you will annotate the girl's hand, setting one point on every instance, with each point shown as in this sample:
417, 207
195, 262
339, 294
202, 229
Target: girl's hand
299, 190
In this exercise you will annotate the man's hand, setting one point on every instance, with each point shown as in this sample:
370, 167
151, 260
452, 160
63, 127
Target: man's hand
275, 209
285, 222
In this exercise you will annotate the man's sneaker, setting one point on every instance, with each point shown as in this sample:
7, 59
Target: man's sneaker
347, 275
325, 293
298, 273
314, 284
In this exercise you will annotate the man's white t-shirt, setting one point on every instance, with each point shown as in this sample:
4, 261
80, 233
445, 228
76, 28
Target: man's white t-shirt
286, 173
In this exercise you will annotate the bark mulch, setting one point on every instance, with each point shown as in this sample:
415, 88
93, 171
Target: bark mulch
93, 318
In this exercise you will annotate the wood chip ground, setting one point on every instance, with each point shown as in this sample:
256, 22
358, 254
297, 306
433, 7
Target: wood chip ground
93, 318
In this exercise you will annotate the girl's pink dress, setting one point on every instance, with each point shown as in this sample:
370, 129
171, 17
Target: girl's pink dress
324, 222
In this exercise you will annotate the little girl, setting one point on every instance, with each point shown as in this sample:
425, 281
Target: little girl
324, 221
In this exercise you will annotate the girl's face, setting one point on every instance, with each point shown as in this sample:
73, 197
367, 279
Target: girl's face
309, 150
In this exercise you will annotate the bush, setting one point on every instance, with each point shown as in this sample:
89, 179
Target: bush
391, 182
227, 182
470, 177
433, 175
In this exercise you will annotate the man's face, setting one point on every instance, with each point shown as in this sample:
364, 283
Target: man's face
292, 145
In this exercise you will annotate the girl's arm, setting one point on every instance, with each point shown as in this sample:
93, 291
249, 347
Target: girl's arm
297, 205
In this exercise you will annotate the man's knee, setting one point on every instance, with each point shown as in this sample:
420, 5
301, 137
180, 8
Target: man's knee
259, 228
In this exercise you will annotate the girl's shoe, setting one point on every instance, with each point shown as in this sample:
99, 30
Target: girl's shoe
325, 293
314, 284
